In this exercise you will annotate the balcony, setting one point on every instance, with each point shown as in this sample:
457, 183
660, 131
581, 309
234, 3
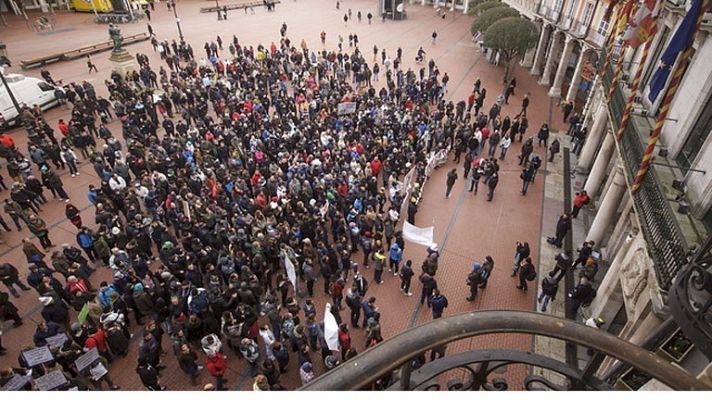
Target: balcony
681, 6
597, 39
554, 15
391, 362
543, 10
666, 242
578, 28
566, 23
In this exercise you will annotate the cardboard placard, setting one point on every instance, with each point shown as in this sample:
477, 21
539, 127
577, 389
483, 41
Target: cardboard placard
86, 359
98, 371
51, 380
346, 108
57, 340
16, 383
37, 356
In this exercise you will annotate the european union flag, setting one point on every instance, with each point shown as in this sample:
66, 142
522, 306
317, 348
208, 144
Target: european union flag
683, 37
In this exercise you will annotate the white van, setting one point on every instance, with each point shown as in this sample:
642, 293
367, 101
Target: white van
28, 91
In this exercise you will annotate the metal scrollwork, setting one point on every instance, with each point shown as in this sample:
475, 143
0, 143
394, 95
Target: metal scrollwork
478, 366
690, 299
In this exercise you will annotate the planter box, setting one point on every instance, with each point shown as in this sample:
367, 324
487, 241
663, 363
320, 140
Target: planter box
676, 348
632, 380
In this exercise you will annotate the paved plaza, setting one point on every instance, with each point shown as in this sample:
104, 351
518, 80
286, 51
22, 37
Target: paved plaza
467, 227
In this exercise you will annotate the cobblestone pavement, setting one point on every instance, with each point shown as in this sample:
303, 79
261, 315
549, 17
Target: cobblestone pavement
467, 227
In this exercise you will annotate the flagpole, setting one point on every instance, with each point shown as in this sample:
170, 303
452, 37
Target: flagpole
633, 89
616, 77
665, 107
610, 41
638, 73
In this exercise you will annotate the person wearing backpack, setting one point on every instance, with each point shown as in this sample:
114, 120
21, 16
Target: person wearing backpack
549, 287
526, 273
474, 278
534, 165
582, 295
526, 177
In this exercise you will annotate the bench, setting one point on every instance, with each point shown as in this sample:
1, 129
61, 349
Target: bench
81, 52
235, 6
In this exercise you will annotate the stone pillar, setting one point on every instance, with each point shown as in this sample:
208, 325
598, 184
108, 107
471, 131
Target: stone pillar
607, 210
550, 60
588, 152
563, 66
540, 50
422, 3
466, 6
598, 171
528, 59
452, 7
573, 88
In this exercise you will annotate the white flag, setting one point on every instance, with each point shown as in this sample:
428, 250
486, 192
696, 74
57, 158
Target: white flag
423, 236
331, 329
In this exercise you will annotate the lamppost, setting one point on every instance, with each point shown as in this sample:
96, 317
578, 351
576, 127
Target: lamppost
175, 13
5, 62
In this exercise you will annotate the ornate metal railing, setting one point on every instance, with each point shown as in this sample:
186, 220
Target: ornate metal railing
666, 243
690, 300
391, 360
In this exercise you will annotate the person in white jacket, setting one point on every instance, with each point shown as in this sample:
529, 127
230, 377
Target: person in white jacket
504, 144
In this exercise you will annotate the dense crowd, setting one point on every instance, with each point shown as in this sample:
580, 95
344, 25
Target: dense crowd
236, 183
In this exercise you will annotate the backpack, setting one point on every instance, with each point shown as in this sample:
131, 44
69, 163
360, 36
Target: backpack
531, 276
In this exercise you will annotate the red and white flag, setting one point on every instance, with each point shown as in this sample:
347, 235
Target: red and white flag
644, 24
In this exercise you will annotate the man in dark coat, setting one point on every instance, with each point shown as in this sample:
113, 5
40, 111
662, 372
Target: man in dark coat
10, 276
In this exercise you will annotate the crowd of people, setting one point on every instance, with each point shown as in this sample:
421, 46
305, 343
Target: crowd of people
237, 181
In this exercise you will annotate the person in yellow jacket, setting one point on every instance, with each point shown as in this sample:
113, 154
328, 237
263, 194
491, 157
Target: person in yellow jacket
379, 261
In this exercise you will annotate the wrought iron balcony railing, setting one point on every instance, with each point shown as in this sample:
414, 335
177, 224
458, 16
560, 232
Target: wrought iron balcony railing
690, 299
392, 359
666, 243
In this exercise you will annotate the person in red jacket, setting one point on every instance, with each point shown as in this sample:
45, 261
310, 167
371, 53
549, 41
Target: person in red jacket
215, 364
580, 200
98, 339
344, 340
376, 166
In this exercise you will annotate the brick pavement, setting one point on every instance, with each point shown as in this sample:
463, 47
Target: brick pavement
476, 227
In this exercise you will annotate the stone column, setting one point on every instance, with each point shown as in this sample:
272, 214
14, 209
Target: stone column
528, 59
540, 50
452, 7
588, 152
551, 58
563, 66
573, 88
607, 210
466, 6
598, 171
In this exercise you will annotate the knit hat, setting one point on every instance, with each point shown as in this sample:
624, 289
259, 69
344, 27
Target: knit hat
307, 367
476, 266
330, 362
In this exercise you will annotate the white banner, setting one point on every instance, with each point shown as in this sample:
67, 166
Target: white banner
291, 272
331, 329
422, 236
347, 108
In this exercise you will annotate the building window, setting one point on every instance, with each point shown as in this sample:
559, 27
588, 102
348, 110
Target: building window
558, 5
697, 136
603, 27
654, 59
587, 15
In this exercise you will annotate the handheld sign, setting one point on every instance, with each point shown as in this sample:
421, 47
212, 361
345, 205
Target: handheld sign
37, 356
57, 340
86, 359
51, 380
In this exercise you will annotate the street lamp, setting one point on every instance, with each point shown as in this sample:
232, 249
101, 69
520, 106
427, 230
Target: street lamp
5, 62
175, 13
